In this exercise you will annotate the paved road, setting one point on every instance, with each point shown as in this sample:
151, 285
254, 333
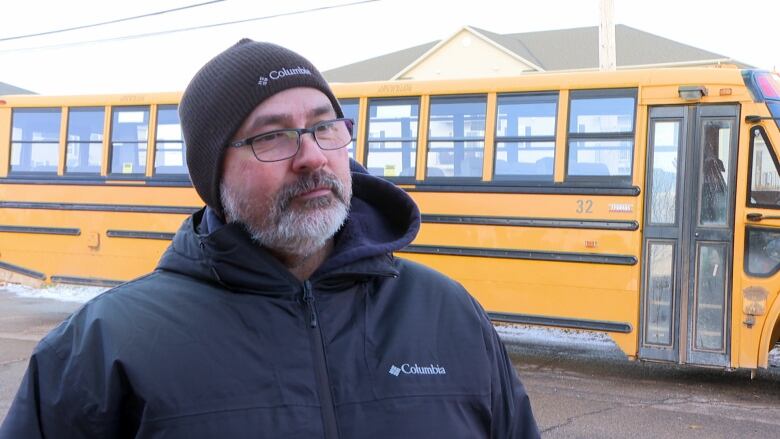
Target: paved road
22, 323
576, 391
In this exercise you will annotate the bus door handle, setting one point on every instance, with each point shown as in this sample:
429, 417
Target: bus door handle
757, 216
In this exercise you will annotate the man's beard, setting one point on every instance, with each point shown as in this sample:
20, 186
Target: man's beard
298, 229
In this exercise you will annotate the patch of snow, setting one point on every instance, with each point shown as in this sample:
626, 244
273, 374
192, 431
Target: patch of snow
65, 293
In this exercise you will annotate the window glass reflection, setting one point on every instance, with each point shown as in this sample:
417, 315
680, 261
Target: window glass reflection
35, 136
715, 164
129, 135
392, 137
663, 201
525, 137
456, 136
765, 178
170, 152
85, 140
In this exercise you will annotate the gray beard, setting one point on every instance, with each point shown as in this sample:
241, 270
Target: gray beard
293, 230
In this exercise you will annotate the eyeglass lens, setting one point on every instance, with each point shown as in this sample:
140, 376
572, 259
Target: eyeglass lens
283, 144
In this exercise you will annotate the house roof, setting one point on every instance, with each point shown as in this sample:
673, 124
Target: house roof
562, 49
8, 89
379, 68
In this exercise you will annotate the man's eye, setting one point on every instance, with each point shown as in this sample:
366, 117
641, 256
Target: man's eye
271, 137
325, 126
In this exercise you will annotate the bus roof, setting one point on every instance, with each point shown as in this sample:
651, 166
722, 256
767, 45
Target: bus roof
712, 77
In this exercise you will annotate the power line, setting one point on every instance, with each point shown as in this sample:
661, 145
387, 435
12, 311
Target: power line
186, 29
103, 23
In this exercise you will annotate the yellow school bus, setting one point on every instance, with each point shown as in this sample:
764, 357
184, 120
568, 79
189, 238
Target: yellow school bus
644, 204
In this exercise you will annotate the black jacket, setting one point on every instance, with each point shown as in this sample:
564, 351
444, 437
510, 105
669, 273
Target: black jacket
221, 341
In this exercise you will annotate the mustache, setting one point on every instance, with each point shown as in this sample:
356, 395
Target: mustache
309, 182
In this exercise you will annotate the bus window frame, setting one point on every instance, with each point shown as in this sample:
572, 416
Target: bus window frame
602, 180
149, 144
439, 179
746, 253
81, 175
526, 179
760, 130
367, 137
157, 140
34, 174
357, 121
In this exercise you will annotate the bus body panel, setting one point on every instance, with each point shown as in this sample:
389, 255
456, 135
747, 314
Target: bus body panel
566, 248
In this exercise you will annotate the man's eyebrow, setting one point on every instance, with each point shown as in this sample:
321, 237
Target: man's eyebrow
285, 119
319, 111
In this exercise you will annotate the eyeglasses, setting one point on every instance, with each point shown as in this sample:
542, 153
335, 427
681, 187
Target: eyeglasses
278, 145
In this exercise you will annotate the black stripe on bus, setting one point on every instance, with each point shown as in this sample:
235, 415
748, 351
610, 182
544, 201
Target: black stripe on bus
89, 281
22, 270
593, 325
98, 207
42, 230
166, 236
492, 188
102, 181
530, 222
592, 258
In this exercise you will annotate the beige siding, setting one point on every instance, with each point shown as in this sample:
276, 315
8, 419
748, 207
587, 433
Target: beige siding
466, 55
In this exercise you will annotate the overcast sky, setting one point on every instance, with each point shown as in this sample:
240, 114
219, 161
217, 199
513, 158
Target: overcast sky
66, 63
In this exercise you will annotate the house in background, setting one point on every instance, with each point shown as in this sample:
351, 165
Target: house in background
8, 89
473, 52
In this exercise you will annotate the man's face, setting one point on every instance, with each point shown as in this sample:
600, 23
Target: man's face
291, 206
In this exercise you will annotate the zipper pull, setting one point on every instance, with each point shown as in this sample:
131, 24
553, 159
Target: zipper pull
308, 298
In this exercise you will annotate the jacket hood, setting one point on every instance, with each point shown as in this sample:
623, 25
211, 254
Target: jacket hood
382, 219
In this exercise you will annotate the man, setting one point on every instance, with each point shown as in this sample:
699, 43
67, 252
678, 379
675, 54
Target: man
279, 310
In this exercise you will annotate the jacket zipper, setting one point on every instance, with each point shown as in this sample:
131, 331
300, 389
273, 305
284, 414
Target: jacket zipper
328, 409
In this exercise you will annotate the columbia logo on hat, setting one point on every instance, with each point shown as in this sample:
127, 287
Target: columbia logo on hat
283, 72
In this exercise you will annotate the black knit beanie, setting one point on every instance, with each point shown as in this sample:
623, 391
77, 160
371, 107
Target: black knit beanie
224, 92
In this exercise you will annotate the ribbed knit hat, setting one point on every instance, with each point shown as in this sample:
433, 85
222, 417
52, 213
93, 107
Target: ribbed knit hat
224, 92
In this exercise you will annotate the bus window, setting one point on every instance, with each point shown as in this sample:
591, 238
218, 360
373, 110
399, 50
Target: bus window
170, 151
350, 108
129, 134
392, 136
714, 204
85, 140
764, 175
664, 158
35, 140
525, 137
762, 258
456, 136
601, 134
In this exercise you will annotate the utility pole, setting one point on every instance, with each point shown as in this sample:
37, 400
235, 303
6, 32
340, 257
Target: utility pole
607, 36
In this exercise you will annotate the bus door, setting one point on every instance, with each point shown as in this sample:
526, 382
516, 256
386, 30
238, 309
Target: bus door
688, 234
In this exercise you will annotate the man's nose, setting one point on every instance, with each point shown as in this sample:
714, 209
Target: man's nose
310, 156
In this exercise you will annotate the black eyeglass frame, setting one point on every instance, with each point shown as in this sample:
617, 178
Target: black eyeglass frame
300, 131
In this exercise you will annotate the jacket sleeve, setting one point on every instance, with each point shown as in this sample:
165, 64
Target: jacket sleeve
512, 417
70, 390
